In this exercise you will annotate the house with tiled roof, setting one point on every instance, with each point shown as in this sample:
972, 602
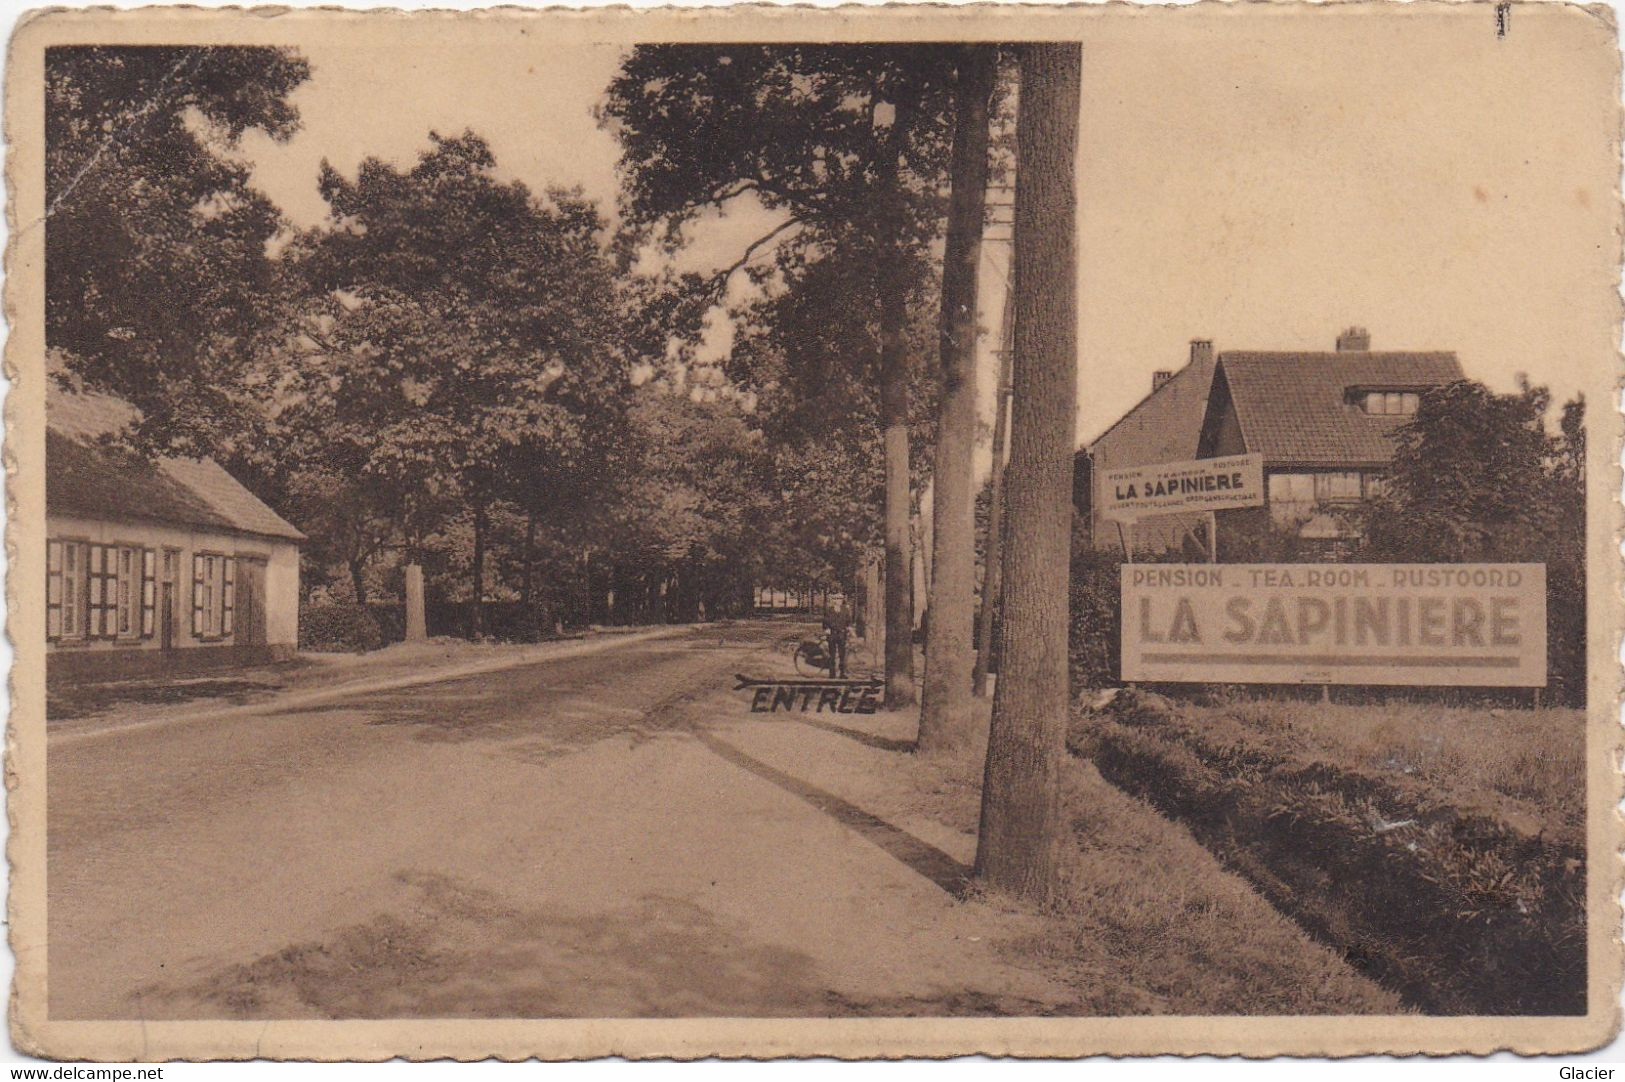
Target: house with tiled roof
1323, 422
156, 565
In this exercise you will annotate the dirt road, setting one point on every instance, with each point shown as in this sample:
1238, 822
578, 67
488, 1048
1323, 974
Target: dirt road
605, 835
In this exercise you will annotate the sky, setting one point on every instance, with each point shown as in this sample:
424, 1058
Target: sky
1261, 177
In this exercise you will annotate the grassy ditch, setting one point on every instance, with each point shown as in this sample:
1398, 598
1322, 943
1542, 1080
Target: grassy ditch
1442, 856
1143, 919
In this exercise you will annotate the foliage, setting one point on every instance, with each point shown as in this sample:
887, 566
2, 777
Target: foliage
338, 626
1503, 497
456, 344
1249, 535
799, 129
807, 355
156, 266
687, 507
1093, 641
467, 327
1515, 493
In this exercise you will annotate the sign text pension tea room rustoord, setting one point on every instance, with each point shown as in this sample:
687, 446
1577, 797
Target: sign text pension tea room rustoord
1440, 624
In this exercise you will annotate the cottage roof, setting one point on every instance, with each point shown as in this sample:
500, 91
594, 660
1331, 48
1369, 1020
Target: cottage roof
85, 476
1302, 408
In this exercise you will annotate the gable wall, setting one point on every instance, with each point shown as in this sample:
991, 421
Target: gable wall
1163, 428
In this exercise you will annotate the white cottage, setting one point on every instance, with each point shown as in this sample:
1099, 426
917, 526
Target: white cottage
156, 566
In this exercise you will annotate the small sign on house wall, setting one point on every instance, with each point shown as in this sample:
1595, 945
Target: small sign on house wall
1206, 484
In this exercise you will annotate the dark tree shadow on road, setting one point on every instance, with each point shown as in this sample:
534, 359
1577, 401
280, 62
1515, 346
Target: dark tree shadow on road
868, 740
922, 857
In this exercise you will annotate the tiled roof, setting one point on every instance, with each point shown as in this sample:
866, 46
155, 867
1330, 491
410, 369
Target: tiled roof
1294, 408
1181, 402
85, 477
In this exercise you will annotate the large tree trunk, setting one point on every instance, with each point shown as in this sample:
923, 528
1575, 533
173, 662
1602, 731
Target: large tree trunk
946, 718
1022, 824
477, 616
992, 568
894, 378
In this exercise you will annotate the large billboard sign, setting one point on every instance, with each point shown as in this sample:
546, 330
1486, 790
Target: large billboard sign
1204, 484
1470, 625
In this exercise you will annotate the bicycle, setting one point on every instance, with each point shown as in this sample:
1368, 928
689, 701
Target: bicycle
812, 657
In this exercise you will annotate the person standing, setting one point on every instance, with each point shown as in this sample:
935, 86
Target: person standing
837, 626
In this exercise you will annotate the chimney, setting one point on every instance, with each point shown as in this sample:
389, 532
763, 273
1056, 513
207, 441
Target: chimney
1354, 340
1158, 378
1201, 353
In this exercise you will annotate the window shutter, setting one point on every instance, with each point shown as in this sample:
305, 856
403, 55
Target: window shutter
228, 594
73, 589
100, 603
149, 592
197, 596
53, 589
93, 591
109, 592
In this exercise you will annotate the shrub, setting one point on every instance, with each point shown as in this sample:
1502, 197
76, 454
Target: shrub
338, 625
1093, 639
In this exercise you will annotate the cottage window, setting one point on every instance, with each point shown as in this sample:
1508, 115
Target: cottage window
65, 592
1392, 403
213, 585
98, 591
1291, 496
102, 579
1341, 487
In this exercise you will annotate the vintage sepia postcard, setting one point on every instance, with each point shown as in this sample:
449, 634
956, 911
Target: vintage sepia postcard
770, 532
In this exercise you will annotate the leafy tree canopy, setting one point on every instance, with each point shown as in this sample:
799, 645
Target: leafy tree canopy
156, 265
1479, 476
458, 330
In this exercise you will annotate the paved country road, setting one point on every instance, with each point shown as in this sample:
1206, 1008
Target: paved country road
601, 835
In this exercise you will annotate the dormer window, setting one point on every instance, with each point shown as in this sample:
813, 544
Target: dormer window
1390, 403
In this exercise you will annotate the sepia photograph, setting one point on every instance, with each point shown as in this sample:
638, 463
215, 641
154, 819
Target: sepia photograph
903, 531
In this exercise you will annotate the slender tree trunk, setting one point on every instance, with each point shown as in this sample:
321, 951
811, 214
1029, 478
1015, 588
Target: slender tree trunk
358, 578
992, 568
1022, 823
894, 380
527, 583
946, 718
477, 621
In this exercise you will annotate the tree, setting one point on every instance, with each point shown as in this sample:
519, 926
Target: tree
946, 720
1498, 455
832, 140
1021, 823
459, 335
1516, 494
155, 242
807, 355
682, 506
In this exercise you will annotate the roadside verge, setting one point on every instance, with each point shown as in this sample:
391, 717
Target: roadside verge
102, 725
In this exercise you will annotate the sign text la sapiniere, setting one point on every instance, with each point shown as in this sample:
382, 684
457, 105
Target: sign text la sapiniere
1481, 625
1203, 484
